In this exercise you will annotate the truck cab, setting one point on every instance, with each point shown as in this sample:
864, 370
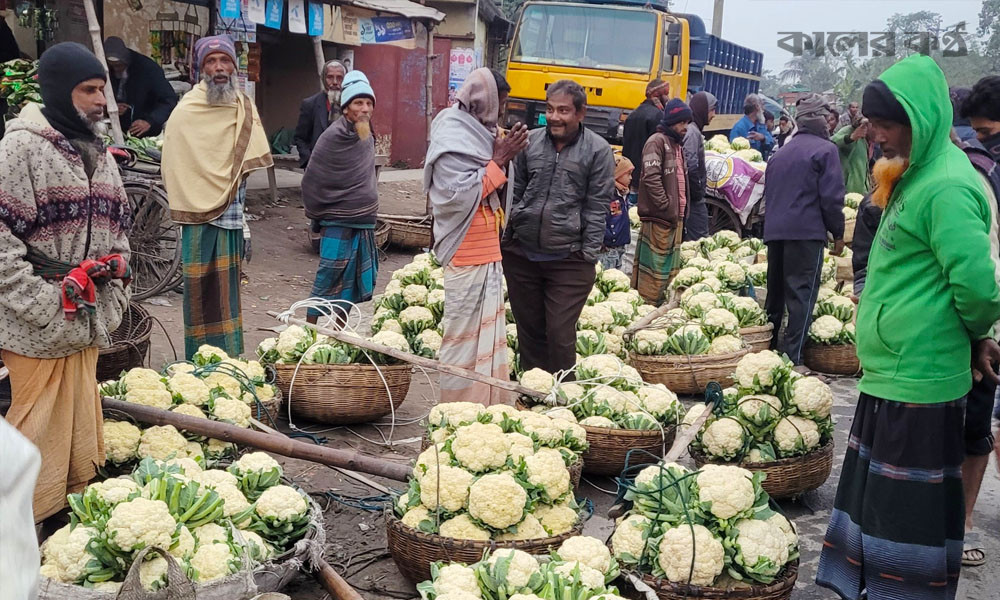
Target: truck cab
613, 48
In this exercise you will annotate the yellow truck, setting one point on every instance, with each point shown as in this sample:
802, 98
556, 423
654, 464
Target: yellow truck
613, 48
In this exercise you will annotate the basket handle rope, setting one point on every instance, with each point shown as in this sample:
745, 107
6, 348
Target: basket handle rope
178, 587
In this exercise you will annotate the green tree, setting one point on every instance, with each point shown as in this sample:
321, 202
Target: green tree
989, 30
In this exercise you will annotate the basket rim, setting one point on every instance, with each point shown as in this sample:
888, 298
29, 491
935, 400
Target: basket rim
826, 448
684, 360
394, 522
757, 328
790, 574
339, 367
143, 329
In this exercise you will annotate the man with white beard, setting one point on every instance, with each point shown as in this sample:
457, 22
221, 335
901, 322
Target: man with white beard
319, 110
64, 220
212, 142
340, 195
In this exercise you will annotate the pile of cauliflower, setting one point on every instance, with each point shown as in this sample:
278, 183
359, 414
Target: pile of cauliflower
833, 319
213, 386
723, 261
772, 412
706, 322
304, 345
738, 148
606, 393
852, 202
203, 517
705, 528
582, 568
493, 474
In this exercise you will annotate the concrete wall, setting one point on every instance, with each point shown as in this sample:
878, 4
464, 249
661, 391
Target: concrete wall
288, 75
460, 20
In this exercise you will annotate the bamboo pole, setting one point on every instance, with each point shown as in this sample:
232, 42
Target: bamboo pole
95, 38
320, 60
264, 441
333, 583
420, 361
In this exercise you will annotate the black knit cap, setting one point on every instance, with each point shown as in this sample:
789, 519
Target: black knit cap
62, 68
675, 112
880, 103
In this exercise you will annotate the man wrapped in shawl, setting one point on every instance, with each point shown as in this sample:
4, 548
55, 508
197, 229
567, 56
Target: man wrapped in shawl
465, 171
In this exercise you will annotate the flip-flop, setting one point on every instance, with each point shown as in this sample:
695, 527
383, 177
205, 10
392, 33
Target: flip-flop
973, 554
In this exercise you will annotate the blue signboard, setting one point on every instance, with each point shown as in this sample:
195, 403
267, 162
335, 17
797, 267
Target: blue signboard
229, 9
315, 18
275, 13
378, 30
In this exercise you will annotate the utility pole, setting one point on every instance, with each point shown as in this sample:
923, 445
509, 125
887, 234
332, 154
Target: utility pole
717, 18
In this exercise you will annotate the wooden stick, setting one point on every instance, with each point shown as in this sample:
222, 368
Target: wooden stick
660, 311
385, 217
333, 583
265, 441
420, 361
681, 442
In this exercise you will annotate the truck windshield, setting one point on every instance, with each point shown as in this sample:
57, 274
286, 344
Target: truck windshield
586, 36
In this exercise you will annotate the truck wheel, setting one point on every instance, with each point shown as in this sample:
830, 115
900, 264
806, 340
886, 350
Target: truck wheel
721, 216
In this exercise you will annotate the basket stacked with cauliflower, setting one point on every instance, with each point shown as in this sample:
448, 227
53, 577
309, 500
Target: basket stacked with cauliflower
329, 381
610, 401
581, 568
738, 148
831, 347
773, 421
489, 477
852, 203
708, 533
223, 527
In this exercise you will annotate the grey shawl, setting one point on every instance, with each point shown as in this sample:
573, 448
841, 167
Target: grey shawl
459, 151
340, 183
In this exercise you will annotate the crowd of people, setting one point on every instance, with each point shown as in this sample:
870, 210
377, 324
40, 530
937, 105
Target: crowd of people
540, 208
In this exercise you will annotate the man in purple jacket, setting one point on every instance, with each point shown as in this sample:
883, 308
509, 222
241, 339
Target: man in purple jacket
804, 198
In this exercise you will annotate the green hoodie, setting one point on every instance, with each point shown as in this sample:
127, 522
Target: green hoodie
931, 289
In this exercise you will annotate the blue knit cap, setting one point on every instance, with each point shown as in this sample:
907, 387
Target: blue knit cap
355, 85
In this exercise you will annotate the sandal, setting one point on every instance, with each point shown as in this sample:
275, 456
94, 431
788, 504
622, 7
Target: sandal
973, 554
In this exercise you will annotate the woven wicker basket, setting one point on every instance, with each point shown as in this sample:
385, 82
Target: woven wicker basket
788, 477
849, 230
410, 234
835, 359
609, 448
129, 344
272, 407
758, 338
687, 374
382, 232
343, 394
414, 551
780, 589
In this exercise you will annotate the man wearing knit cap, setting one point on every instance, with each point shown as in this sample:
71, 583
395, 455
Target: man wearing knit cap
213, 141
702, 112
641, 124
805, 201
145, 98
319, 110
64, 220
340, 195
929, 305
662, 200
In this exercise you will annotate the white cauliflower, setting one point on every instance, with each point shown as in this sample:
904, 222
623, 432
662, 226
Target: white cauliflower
688, 276
727, 490
757, 368
538, 380
447, 487
433, 456
561, 414
480, 447
65, 552
497, 500
212, 561
281, 503
154, 397
725, 344
812, 397
457, 578
751, 407
210, 533
731, 273
796, 435
236, 412
693, 413
162, 442
191, 389
415, 516
431, 340
392, 339
597, 317
597, 421
599, 366
139, 523
233, 500
658, 400
590, 578
140, 378
185, 544
556, 519
413, 316
699, 303
826, 329
114, 491
462, 527
214, 477
629, 538
761, 546
541, 428
291, 341
453, 414
530, 528
719, 321
153, 573
723, 438
547, 469
650, 341
613, 280
520, 445
121, 441
415, 294
520, 568
786, 527
619, 402
586, 550
255, 544
691, 554
189, 410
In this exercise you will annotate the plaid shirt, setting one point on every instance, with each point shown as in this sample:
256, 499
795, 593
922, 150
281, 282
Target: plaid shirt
232, 218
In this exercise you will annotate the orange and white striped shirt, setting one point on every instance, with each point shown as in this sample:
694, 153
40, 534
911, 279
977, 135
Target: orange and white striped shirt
481, 245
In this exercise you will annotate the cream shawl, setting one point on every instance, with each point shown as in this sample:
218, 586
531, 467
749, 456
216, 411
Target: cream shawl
207, 151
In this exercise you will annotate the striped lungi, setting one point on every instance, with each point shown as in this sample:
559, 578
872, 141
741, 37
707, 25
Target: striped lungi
899, 517
656, 260
212, 258
348, 265
475, 332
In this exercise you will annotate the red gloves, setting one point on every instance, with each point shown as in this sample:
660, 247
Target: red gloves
79, 291
117, 268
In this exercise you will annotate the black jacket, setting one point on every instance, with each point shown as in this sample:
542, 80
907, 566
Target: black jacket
148, 93
865, 227
561, 198
639, 126
314, 118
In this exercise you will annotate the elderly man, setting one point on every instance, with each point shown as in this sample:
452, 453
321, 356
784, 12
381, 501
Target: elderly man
562, 184
213, 140
340, 194
64, 219
663, 193
702, 112
466, 169
805, 200
929, 304
145, 98
752, 127
319, 110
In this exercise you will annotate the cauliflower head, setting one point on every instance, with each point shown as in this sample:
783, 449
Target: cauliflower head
629, 538
723, 438
236, 412
457, 578
826, 329
520, 445
415, 516
121, 441
190, 389
213, 561
586, 550
446, 487
687, 546
162, 442
139, 523
597, 421
453, 414
462, 527
761, 546
154, 397
726, 489
528, 529
66, 552
590, 578
812, 397
497, 500
796, 435
281, 503
725, 344
556, 519
521, 565
479, 447
546, 468
538, 380
757, 368
542, 428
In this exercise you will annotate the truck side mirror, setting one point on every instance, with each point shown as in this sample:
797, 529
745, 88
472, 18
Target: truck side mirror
674, 32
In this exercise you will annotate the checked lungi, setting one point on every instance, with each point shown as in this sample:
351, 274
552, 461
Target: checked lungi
348, 265
656, 260
212, 313
899, 516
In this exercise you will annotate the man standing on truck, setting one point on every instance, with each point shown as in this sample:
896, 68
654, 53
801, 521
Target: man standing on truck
640, 125
562, 184
752, 127
702, 111
662, 198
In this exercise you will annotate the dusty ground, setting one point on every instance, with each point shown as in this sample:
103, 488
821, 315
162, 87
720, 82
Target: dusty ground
282, 271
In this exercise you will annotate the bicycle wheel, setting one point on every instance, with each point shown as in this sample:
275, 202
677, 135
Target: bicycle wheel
154, 240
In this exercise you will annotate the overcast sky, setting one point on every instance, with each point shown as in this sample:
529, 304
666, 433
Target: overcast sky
756, 23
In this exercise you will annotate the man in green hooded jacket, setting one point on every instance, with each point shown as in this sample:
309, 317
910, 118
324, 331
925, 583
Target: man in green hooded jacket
930, 301
856, 152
